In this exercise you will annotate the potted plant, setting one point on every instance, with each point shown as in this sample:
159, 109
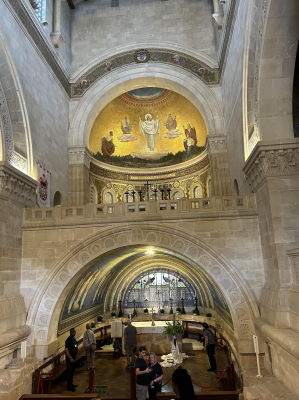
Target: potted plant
174, 328
100, 319
195, 311
162, 311
209, 315
93, 325
117, 349
113, 314
146, 311
178, 310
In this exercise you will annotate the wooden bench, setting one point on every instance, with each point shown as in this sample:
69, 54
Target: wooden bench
59, 367
104, 337
60, 396
232, 395
223, 362
188, 330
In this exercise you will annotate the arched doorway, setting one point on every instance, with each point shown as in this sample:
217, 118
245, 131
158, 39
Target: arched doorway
57, 199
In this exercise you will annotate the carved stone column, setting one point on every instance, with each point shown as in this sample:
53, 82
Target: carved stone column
56, 35
79, 166
273, 174
17, 191
216, 146
217, 16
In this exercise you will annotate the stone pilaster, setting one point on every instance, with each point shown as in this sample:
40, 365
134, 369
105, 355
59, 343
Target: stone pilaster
17, 191
79, 166
216, 146
56, 35
273, 171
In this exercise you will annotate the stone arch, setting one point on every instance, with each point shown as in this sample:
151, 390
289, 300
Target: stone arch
135, 76
44, 321
16, 137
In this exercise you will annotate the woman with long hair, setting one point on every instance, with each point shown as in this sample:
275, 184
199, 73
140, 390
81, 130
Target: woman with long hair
89, 346
182, 385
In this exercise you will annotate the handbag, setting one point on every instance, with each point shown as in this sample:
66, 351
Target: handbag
92, 345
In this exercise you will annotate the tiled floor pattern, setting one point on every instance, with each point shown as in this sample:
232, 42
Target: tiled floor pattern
112, 373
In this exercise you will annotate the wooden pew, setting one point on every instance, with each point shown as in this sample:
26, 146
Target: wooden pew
59, 366
232, 395
87, 396
104, 337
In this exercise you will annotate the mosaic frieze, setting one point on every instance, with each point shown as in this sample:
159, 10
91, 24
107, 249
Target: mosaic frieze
180, 60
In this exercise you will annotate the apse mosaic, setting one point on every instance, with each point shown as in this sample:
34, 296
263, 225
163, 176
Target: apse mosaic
148, 128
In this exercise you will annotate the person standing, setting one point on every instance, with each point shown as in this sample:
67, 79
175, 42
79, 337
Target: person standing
142, 373
209, 346
71, 350
89, 346
156, 376
130, 343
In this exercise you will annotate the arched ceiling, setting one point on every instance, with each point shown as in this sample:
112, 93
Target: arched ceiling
107, 280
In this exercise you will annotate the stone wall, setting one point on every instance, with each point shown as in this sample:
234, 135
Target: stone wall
47, 114
98, 27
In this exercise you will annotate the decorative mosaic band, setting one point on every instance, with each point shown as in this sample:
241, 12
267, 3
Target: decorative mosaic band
183, 61
125, 176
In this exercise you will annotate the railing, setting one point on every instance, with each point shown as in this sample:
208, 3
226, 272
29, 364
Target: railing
56, 360
145, 208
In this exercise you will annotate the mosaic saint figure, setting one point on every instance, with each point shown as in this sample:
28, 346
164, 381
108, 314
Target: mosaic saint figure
150, 129
171, 122
191, 139
108, 147
126, 126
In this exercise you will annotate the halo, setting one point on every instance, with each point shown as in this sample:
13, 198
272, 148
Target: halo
148, 115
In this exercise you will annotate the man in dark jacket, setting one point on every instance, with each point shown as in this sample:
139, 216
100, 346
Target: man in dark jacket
71, 350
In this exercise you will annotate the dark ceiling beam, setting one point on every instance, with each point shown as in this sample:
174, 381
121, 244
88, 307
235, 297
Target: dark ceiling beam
71, 4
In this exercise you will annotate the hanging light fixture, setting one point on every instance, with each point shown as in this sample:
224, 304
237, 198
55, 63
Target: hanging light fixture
149, 252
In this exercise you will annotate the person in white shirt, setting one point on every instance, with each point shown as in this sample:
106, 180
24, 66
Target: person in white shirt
89, 346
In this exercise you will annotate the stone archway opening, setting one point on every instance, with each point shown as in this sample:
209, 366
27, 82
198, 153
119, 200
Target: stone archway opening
43, 314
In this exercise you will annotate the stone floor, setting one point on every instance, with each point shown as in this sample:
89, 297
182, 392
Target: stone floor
112, 373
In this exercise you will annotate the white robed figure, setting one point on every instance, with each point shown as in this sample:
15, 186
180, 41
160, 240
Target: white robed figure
150, 129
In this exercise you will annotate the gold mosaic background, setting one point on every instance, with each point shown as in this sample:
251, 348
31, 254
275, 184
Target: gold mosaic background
111, 116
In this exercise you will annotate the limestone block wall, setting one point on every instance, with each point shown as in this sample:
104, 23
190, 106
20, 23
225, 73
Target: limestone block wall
46, 104
98, 27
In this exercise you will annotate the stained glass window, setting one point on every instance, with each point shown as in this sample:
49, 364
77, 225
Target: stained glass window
39, 9
157, 288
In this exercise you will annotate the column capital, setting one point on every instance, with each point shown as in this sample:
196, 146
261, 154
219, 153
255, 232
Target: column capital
57, 39
17, 186
216, 144
79, 155
272, 160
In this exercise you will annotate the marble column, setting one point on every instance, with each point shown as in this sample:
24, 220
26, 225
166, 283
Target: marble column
217, 15
56, 35
79, 167
216, 145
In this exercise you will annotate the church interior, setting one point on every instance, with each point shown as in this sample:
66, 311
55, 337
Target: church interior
149, 176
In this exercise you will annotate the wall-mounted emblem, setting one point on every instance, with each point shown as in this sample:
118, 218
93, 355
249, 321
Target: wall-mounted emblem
142, 56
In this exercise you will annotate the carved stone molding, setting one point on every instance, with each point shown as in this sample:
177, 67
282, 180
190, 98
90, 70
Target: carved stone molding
57, 39
269, 160
16, 186
294, 259
79, 155
216, 144
12, 305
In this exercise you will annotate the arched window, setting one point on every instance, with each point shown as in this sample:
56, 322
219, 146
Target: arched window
198, 192
39, 7
177, 195
57, 199
236, 188
108, 198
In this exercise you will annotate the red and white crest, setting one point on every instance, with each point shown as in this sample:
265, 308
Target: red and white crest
43, 187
